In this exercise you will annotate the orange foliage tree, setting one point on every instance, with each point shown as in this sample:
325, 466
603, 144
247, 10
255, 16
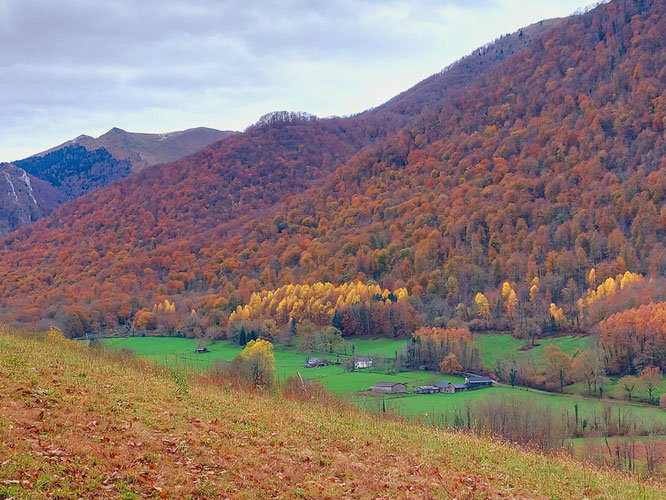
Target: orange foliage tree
635, 338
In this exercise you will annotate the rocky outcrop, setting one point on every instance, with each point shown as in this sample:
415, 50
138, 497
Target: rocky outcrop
24, 198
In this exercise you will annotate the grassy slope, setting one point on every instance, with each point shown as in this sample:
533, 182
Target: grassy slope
79, 423
436, 407
288, 362
494, 346
640, 394
506, 347
441, 407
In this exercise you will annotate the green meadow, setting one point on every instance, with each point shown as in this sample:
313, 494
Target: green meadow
506, 348
440, 408
437, 408
289, 360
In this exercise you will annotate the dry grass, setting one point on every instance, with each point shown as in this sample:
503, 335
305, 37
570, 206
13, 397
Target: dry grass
75, 423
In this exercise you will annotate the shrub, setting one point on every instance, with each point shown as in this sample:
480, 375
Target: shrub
662, 401
255, 365
299, 389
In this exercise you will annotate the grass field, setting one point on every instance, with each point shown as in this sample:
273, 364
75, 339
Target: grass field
430, 407
288, 361
640, 393
80, 423
440, 408
506, 348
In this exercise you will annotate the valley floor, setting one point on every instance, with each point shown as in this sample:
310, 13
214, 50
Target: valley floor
431, 408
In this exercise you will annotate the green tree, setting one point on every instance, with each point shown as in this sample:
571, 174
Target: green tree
651, 377
626, 386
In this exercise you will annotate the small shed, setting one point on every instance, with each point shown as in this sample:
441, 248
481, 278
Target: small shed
460, 387
362, 362
389, 387
478, 382
201, 350
314, 363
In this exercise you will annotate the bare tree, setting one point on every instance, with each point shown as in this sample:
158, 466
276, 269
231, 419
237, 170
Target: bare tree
652, 454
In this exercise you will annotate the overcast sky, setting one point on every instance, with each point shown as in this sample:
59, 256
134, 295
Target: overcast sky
71, 67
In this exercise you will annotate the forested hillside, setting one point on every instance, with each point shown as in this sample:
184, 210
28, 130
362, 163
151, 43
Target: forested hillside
74, 170
491, 205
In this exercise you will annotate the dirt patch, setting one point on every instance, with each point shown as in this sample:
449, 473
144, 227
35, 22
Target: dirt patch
528, 347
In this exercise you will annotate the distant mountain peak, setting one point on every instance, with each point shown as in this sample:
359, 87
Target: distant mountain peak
84, 164
114, 131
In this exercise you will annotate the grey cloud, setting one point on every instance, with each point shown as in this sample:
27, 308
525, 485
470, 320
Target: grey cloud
69, 64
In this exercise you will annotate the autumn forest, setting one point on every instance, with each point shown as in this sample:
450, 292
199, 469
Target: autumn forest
458, 293
522, 190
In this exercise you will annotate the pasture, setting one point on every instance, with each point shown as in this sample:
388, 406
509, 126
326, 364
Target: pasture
438, 408
434, 408
506, 348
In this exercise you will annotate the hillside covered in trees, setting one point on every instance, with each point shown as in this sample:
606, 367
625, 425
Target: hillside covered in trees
500, 197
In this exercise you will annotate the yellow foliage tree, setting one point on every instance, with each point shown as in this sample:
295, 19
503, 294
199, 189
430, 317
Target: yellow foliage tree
482, 306
316, 303
259, 347
166, 306
534, 289
510, 299
606, 289
557, 313
628, 278
256, 363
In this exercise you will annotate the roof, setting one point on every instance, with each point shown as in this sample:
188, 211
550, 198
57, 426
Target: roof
443, 383
428, 387
387, 384
477, 380
364, 358
313, 360
459, 386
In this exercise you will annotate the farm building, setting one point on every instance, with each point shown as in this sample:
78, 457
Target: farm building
445, 386
362, 362
389, 387
478, 382
201, 350
449, 388
314, 363
426, 389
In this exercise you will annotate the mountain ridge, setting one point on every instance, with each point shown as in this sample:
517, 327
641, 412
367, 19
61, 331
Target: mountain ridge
140, 148
85, 163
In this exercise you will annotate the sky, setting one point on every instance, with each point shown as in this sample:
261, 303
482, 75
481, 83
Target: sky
72, 67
